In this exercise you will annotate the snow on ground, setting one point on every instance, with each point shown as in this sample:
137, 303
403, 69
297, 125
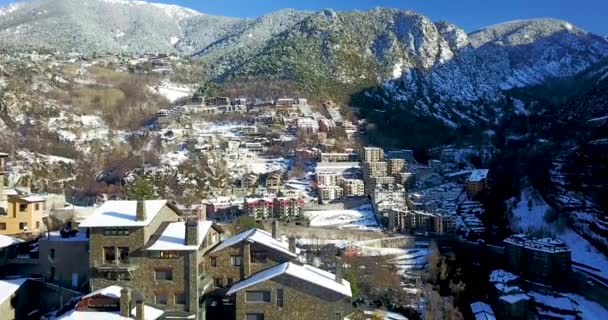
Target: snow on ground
263, 165
357, 218
174, 159
38, 157
172, 91
588, 308
529, 219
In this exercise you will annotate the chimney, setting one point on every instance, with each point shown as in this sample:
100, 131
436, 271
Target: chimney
139, 309
2, 159
275, 229
246, 259
125, 303
192, 232
339, 269
292, 244
141, 210
202, 213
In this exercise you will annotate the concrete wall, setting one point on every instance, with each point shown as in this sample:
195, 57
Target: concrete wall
325, 233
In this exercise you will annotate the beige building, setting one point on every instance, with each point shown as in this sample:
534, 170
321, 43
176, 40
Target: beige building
372, 154
396, 166
353, 187
375, 169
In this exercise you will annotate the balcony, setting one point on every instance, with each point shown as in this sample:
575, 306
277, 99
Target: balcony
115, 266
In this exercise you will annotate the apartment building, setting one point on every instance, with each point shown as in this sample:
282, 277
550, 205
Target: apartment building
408, 221
396, 166
20, 212
274, 179
287, 208
339, 157
326, 179
145, 245
249, 181
545, 260
373, 154
258, 208
353, 188
375, 169
307, 126
330, 193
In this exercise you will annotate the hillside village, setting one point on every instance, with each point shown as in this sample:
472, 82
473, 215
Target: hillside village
255, 207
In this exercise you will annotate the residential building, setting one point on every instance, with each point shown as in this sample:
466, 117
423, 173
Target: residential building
372, 154
477, 182
217, 101
406, 179
407, 221
7, 249
292, 291
284, 102
242, 255
147, 246
326, 179
543, 260
375, 169
250, 181
339, 157
326, 125
330, 193
395, 166
259, 208
353, 188
221, 207
287, 208
274, 179
307, 126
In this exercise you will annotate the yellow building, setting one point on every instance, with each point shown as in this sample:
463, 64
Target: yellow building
19, 213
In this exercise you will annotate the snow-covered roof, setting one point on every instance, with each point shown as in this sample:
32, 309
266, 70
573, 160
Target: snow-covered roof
539, 244
307, 273
150, 313
478, 175
110, 292
174, 237
482, 311
9, 287
514, 298
6, 241
33, 198
257, 236
502, 276
122, 213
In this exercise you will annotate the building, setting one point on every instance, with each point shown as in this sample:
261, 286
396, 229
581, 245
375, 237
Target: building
284, 102
477, 182
353, 188
7, 249
307, 126
240, 256
406, 179
482, 311
217, 101
259, 208
222, 207
292, 291
287, 208
249, 181
326, 125
408, 221
545, 260
395, 166
375, 169
326, 179
274, 180
373, 154
339, 157
330, 193
146, 245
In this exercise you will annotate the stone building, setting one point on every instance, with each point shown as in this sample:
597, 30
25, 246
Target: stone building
238, 257
477, 182
144, 245
544, 260
292, 291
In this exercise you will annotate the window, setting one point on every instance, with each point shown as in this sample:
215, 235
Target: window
163, 274
52, 276
254, 316
160, 298
229, 282
52, 254
109, 254
257, 296
259, 256
280, 298
123, 254
180, 299
37, 206
339, 316
112, 232
235, 261
2, 226
22, 207
219, 282
37, 224
169, 255
214, 262
23, 226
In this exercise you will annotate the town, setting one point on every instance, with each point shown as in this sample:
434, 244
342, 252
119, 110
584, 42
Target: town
274, 208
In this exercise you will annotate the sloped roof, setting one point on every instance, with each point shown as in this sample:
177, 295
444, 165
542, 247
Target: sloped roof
6, 241
174, 237
257, 236
307, 273
122, 213
110, 292
9, 287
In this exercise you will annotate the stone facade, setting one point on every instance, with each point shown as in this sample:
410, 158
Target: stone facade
301, 300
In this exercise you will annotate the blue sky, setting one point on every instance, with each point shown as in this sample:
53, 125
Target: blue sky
468, 14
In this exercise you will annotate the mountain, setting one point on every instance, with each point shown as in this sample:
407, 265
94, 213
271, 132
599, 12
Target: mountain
109, 26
